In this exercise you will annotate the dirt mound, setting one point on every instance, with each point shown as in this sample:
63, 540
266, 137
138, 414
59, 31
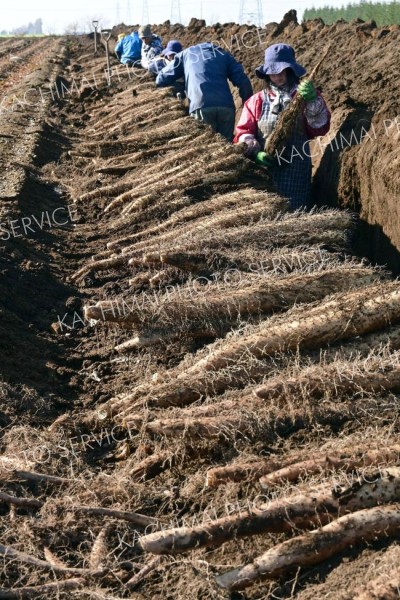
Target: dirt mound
194, 379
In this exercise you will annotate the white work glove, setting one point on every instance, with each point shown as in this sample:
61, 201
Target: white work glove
252, 145
316, 113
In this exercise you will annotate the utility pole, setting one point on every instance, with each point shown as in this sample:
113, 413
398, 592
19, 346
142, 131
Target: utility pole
175, 12
128, 12
145, 13
251, 12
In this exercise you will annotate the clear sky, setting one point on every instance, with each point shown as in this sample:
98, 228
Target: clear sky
57, 16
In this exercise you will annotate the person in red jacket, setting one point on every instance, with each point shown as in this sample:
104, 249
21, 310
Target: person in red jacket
290, 169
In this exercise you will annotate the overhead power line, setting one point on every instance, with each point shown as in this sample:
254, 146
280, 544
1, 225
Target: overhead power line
251, 12
128, 12
175, 11
145, 13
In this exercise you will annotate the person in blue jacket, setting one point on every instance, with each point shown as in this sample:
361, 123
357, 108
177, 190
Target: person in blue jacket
128, 48
206, 69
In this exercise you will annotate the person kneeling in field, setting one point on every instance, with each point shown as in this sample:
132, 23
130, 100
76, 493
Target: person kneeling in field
151, 45
128, 48
290, 169
166, 57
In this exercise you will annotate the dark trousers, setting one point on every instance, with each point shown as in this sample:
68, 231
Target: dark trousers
221, 119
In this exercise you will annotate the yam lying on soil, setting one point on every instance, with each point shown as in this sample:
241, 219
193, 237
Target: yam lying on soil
217, 205
277, 261
172, 201
316, 507
341, 317
151, 123
217, 302
106, 191
151, 466
139, 141
246, 258
389, 338
331, 463
99, 265
142, 341
201, 427
166, 165
212, 409
315, 547
252, 421
122, 164
326, 227
281, 331
145, 104
224, 171
240, 471
226, 218
358, 377
177, 175
177, 393
138, 577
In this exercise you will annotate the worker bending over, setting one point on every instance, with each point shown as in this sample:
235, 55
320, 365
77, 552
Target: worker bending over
128, 48
167, 55
206, 69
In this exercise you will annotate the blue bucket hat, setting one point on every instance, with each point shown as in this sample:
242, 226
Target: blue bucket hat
278, 58
173, 47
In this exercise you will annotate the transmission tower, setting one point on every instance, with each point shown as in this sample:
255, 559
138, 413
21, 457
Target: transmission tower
176, 11
128, 13
145, 13
251, 12
117, 13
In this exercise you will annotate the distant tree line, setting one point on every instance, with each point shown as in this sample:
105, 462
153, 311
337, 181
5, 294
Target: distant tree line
381, 12
34, 28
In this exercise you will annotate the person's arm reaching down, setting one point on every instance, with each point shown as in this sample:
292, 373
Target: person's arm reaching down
248, 121
118, 49
171, 72
239, 78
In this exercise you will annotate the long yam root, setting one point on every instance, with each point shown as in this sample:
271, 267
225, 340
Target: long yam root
331, 463
285, 514
315, 547
343, 317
